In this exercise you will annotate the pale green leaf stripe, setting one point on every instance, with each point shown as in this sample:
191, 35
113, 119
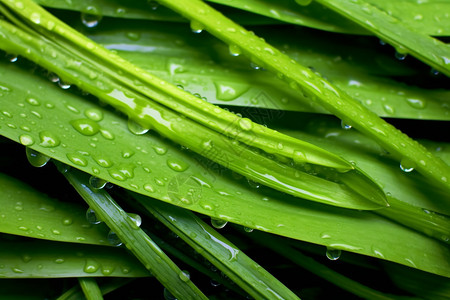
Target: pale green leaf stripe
43, 217
389, 28
299, 77
135, 239
308, 263
112, 150
46, 259
209, 143
240, 268
90, 288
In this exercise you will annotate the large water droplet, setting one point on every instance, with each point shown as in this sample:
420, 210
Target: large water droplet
218, 223
185, 276
92, 217
91, 266
91, 18
48, 139
26, 140
345, 126
235, 50
113, 239
416, 103
407, 165
333, 254
36, 159
228, 91
85, 126
137, 128
177, 165
134, 220
196, 27
77, 159
94, 114
97, 183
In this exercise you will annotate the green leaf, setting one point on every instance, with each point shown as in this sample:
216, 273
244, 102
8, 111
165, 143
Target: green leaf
318, 89
45, 259
27, 212
135, 239
388, 28
240, 268
90, 288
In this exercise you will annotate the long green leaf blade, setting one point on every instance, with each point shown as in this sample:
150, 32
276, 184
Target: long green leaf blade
135, 239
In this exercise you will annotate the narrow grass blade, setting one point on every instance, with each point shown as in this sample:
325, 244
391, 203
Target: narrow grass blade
318, 89
389, 28
90, 288
44, 259
250, 276
135, 239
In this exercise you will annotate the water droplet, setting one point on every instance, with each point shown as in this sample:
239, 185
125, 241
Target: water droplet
153, 4
248, 229
91, 217
85, 126
64, 85
177, 165
345, 126
185, 276
218, 223
91, 18
407, 165
196, 27
134, 220
13, 58
56, 231
106, 134
246, 124
36, 159
235, 50
77, 159
67, 221
303, 2
103, 162
94, 114
35, 17
48, 139
113, 239
26, 140
33, 101
333, 254
97, 183
416, 103
122, 172
127, 153
253, 184
400, 56
228, 91
137, 128
388, 109
91, 266
160, 150
149, 188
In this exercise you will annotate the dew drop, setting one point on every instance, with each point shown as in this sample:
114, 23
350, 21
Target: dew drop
248, 229
400, 56
388, 109
218, 223
160, 150
184, 276
196, 27
416, 103
136, 128
235, 50
103, 162
333, 254
253, 184
64, 85
94, 114
33, 101
303, 2
245, 124
77, 159
406, 165
113, 239
26, 140
97, 183
36, 159
91, 266
91, 217
134, 220
48, 139
299, 157
177, 165
67, 221
106, 134
91, 18
345, 126
85, 126
228, 91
